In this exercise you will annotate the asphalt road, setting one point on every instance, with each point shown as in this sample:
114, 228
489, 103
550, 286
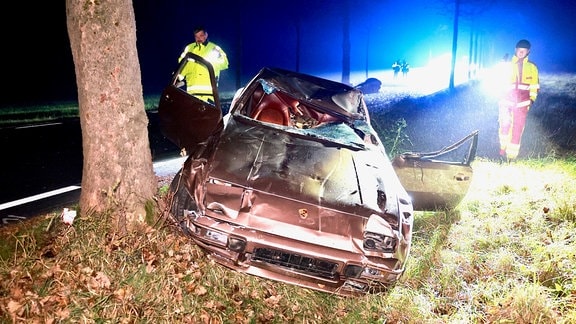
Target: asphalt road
42, 166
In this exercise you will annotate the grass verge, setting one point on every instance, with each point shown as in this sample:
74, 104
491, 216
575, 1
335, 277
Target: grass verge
51, 112
505, 254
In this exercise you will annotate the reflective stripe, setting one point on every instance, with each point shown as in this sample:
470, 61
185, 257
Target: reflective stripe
520, 86
510, 103
199, 88
523, 103
523, 87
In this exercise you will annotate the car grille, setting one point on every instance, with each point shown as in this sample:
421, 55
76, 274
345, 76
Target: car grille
298, 263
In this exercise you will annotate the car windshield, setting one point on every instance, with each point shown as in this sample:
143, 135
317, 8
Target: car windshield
318, 108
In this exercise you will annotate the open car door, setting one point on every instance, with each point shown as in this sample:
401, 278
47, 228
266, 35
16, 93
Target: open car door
189, 120
440, 179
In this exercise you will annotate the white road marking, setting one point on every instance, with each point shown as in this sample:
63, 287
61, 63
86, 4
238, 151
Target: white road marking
38, 197
161, 168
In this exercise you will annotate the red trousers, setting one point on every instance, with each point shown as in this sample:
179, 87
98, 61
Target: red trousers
512, 121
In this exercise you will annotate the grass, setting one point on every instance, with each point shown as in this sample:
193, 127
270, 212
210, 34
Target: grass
505, 254
17, 115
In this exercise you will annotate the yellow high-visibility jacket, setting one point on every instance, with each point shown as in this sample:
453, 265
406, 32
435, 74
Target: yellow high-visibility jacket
196, 75
521, 91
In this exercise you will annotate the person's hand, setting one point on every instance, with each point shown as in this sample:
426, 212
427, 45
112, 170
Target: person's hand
180, 83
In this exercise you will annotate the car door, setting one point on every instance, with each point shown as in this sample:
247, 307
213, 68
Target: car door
440, 179
189, 120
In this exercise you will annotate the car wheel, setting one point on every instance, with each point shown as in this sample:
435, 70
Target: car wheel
181, 201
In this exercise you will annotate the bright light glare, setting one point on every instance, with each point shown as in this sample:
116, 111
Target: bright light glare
440, 64
424, 80
494, 79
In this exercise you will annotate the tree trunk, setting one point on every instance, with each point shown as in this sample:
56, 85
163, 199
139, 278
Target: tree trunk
454, 45
117, 175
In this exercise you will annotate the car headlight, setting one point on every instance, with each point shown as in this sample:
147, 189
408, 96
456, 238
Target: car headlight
236, 244
372, 273
353, 271
378, 235
356, 271
379, 242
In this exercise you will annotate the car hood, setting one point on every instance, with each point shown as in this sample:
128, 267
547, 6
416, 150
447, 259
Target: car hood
307, 190
286, 168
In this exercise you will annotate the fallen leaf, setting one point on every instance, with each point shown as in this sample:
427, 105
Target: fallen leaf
15, 308
200, 291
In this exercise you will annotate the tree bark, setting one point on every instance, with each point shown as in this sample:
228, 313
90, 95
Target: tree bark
454, 45
117, 176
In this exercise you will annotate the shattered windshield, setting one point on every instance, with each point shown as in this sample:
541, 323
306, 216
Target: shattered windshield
300, 104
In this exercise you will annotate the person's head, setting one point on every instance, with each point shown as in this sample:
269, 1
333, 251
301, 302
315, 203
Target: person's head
200, 35
522, 48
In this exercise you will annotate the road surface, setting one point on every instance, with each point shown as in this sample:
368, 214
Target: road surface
42, 166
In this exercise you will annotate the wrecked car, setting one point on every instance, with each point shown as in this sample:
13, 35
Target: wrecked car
292, 184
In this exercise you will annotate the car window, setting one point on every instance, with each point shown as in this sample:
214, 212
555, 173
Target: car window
278, 109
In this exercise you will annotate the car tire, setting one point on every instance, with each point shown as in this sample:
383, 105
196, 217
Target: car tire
181, 201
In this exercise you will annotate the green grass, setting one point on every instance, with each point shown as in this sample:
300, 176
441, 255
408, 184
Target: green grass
17, 115
504, 255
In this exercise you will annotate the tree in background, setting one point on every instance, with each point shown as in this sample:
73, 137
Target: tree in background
346, 46
470, 10
117, 174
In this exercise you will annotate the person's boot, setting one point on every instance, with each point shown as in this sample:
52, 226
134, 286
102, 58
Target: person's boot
503, 157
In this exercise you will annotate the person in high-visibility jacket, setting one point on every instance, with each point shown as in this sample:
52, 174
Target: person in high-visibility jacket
520, 89
196, 75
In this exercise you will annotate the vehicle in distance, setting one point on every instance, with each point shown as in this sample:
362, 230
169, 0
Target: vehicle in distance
292, 184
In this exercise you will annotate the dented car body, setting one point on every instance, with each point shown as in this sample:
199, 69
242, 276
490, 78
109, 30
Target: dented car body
293, 184
438, 180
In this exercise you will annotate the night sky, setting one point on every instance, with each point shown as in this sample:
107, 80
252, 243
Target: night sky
38, 67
